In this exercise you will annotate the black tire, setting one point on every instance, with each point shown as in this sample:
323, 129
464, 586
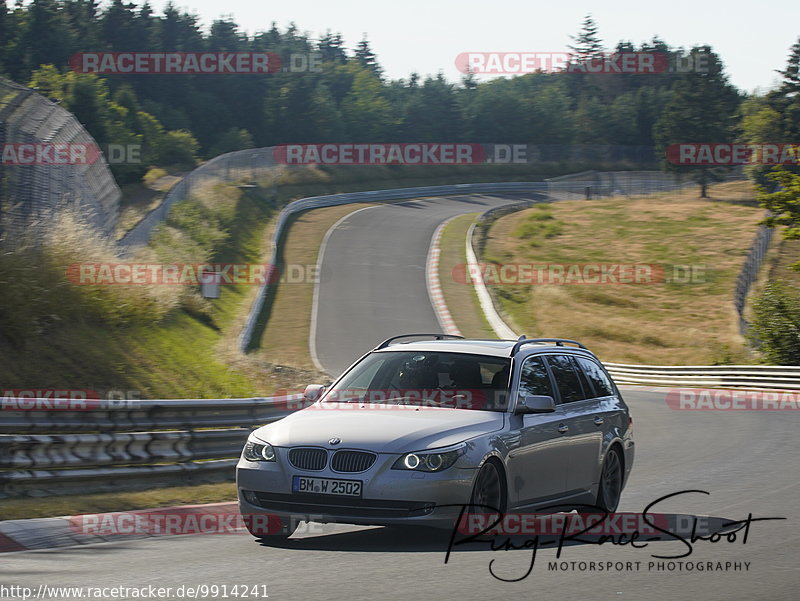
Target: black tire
609, 490
488, 490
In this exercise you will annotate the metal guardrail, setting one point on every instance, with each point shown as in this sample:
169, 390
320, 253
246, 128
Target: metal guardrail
774, 377
142, 444
45, 451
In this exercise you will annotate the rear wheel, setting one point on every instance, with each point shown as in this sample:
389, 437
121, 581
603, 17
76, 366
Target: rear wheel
610, 489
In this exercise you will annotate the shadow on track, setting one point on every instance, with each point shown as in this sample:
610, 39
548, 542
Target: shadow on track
410, 539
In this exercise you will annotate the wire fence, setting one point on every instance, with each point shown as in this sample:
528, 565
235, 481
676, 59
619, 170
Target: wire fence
242, 165
749, 273
599, 184
31, 194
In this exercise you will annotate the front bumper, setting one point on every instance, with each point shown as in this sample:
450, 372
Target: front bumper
388, 496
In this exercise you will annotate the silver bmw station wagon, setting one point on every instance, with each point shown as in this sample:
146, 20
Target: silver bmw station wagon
417, 430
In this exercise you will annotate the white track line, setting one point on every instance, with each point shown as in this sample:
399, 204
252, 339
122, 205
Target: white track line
312, 335
443, 316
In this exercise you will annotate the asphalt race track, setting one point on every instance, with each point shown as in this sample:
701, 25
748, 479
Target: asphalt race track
373, 275
745, 460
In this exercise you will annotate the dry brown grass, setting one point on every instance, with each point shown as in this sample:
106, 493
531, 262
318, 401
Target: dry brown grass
648, 323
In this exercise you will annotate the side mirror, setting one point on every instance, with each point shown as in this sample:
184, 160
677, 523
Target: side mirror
535, 404
313, 392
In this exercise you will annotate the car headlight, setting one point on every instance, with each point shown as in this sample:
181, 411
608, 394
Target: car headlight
428, 461
258, 451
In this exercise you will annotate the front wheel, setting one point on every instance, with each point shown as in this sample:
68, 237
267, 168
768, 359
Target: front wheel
488, 490
610, 489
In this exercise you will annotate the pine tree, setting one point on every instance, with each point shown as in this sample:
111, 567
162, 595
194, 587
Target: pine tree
588, 45
224, 36
791, 75
144, 26
48, 38
326, 118
117, 25
468, 81
366, 111
82, 17
433, 113
4, 34
367, 58
331, 47
702, 110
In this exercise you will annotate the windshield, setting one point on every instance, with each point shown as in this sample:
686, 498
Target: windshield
434, 379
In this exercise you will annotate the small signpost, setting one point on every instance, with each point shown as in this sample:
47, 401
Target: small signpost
209, 282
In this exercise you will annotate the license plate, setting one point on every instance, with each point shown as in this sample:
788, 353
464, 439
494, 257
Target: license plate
327, 486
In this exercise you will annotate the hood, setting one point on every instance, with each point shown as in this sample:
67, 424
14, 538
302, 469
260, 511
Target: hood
380, 428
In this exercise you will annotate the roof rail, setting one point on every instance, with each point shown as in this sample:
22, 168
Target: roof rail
388, 341
558, 341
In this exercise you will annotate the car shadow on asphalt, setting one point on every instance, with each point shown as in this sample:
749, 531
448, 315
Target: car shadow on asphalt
406, 539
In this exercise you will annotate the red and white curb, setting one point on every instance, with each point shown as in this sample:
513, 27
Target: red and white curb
87, 529
446, 321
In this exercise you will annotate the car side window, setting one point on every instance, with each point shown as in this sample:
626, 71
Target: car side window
567, 379
534, 378
598, 378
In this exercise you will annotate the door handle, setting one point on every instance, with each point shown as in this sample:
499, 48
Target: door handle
563, 428
598, 421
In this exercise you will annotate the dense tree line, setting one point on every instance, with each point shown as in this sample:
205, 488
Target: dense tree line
347, 100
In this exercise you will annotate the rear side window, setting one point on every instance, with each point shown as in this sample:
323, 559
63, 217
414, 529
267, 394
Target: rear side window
567, 379
594, 373
534, 378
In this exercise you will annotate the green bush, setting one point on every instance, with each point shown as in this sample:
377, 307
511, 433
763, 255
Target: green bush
775, 330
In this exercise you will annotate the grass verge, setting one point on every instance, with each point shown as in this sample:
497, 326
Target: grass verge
149, 341
656, 323
20, 509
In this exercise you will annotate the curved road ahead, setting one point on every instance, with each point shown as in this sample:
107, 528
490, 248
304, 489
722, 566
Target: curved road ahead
373, 275
745, 460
